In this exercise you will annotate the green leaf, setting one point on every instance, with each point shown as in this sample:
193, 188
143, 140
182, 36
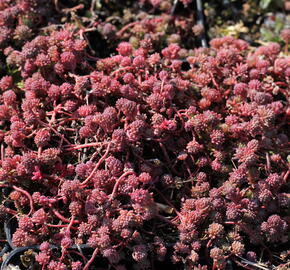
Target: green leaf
20, 84
265, 4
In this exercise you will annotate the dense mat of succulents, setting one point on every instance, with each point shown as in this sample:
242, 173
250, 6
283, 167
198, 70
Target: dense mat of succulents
156, 155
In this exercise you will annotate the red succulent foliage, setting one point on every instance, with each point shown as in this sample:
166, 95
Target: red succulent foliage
144, 156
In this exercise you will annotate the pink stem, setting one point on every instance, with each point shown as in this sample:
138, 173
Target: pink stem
55, 131
2, 152
81, 146
243, 265
121, 69
62, 218
120, 33
118, 183
90, 261
83, 184
60, 226
170, 204
9, 211
286, 175
251, 234
63, 120
28, 196
70, 224
79, 254
64, 251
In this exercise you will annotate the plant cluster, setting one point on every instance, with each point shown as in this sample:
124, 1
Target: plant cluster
163, 21
179, 21
20, 20
147, 157
254, 21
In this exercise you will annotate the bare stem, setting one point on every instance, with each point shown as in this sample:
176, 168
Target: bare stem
97, 166
90, 261
118, 183
28, 196
81, 146
62, 218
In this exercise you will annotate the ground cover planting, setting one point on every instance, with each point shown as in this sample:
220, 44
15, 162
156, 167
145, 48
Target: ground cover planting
132, 139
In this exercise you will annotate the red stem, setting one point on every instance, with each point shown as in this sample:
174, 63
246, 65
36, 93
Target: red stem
121, 69
63, 120
62, 218
169, 203
55, 131
118, 183
90, 261
83, 184
168, 159
243, 265
28, 196
81, 146
10, 211
252, 234
70, 224
79, 254
286, 176
2, 152
64, 251
60, 226
120, 33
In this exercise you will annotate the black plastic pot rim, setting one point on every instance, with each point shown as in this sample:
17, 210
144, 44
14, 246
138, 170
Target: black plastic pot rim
18, 250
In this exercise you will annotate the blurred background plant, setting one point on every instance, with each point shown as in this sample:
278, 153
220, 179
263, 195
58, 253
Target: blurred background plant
107, 22
255, 21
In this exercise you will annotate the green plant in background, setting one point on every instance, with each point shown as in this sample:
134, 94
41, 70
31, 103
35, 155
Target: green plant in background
234, 30
273, 24
264, 4
256, 21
